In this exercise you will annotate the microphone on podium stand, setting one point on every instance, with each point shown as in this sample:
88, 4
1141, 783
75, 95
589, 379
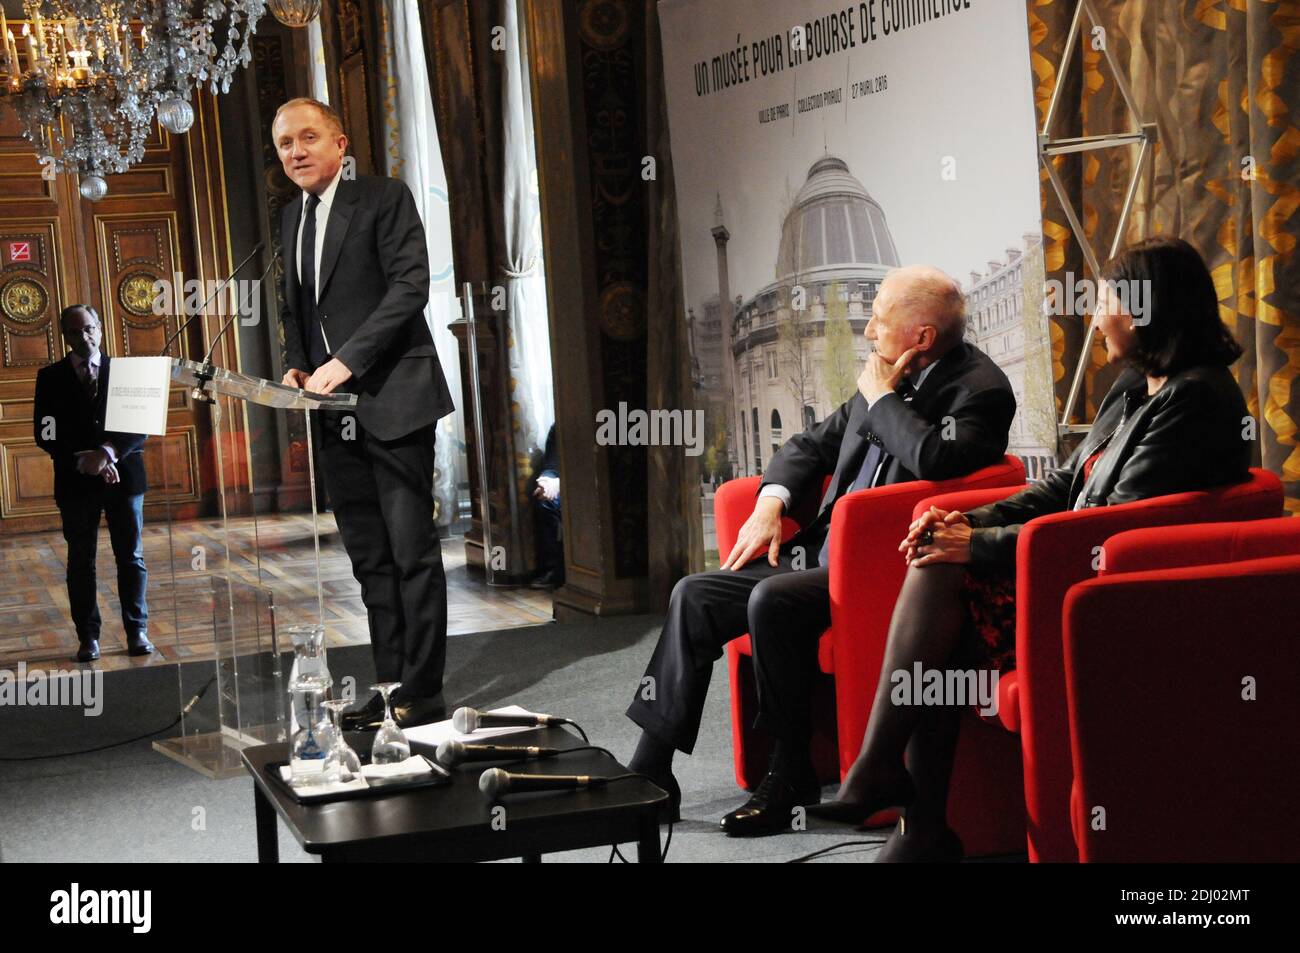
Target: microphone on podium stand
216, 291
207, 358
205, 370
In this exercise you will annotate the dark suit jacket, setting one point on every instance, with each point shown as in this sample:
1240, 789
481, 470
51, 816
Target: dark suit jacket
79, 425
1188, 436
550, 465
966, 386
373, 281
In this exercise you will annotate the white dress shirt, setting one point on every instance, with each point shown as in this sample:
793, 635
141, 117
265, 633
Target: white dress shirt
783, 494
322, 220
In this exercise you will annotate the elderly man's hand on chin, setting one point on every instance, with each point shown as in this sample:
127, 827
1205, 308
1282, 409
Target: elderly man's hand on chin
879, 377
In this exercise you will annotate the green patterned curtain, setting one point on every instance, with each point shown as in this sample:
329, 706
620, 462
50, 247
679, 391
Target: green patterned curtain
1216, 76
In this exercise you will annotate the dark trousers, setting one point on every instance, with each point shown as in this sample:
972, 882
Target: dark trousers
546, 520
784, 610
125, 516
382, 495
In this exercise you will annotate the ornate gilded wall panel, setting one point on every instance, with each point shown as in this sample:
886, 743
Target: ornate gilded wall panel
136, 251
30, 293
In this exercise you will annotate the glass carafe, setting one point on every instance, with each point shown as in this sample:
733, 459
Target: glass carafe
311, 742
310, 671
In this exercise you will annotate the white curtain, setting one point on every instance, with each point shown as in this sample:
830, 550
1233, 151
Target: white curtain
316, 50
530, 348
413, 155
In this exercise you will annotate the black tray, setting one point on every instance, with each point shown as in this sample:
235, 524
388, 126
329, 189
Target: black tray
378, 788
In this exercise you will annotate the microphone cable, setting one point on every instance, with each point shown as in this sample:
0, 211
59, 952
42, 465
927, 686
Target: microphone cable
577, 727
663, 855
605, 751
805, 858
117, 744
613, 848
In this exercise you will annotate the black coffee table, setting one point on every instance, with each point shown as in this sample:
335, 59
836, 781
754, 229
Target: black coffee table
455, 822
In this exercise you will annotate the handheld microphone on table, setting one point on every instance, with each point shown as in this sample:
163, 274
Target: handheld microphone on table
495, 782
452, 753
468, 720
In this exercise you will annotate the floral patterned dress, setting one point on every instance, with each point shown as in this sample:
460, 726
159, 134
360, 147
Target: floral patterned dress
990, 596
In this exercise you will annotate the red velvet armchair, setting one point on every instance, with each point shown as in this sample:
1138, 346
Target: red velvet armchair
864, 525
1055, 552
1176, 756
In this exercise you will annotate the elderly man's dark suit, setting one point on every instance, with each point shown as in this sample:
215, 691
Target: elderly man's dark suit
786, 610
373, 279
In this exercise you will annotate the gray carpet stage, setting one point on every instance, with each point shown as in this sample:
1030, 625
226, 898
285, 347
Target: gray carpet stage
133, 804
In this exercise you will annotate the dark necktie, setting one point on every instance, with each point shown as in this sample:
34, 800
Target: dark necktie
870, 464
90, 381
317, 353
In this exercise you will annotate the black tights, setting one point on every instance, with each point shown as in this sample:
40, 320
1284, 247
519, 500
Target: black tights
929, 619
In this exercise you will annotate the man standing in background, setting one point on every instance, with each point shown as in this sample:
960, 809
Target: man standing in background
94, 472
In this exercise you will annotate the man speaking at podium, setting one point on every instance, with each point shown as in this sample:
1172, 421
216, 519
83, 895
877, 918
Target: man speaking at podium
356, 281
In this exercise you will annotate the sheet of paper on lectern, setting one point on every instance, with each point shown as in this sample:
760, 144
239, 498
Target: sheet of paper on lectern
137, 395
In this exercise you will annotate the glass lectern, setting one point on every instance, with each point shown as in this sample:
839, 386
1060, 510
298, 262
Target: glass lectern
236, 568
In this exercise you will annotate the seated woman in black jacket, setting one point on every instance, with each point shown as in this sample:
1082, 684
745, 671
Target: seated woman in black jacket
1174, 421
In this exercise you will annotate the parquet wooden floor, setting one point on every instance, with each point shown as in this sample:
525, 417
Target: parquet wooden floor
35, 627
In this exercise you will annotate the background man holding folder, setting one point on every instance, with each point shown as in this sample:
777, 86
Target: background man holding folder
95, 472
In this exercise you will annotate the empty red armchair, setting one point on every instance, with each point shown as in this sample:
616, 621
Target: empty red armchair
1054, 553
866, 573
1181, 667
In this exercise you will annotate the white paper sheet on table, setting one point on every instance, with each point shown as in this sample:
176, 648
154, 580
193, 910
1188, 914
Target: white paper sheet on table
440, 731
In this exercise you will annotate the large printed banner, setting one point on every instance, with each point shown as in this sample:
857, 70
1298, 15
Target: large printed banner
816, 145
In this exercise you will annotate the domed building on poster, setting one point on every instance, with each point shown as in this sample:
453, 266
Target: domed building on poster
833, 251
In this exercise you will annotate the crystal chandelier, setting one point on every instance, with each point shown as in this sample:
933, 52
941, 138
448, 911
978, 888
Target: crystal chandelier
88, 76
294, 13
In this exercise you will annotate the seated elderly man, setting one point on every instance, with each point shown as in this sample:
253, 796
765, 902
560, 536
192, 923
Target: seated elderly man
929, 407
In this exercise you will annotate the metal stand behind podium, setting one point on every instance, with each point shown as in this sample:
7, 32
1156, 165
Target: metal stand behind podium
1048, 147
223, 578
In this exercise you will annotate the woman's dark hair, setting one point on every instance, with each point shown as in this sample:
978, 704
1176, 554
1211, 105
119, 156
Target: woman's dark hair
1181, 327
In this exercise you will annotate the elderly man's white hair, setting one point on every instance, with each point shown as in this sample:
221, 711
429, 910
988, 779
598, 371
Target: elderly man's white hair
932, 297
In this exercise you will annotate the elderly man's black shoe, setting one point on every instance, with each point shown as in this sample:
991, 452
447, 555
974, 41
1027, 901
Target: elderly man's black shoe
770, 810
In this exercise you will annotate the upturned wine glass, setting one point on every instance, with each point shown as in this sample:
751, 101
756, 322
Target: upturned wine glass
342, 764
390, 745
